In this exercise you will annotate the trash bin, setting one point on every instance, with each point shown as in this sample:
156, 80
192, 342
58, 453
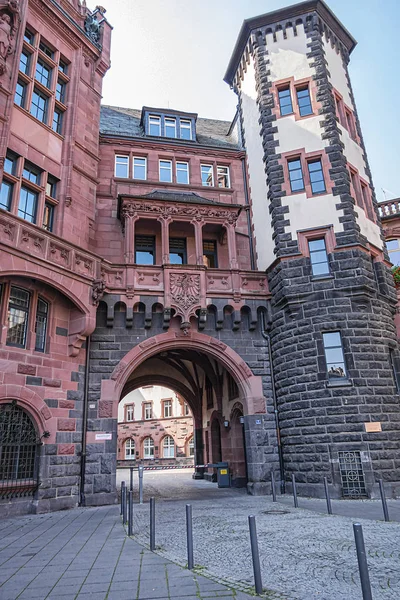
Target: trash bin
223, 474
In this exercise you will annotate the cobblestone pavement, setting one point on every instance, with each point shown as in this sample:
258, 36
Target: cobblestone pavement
84, 554
305, 555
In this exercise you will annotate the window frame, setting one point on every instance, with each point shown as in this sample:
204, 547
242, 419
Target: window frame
28, 190
167, 403
48, 226
207, 253
280, 89
153, 248
304, 159
168, 447
186, 170
129, 409
185, 125
117, 164
16, 307
23, 95
311, 161
155, 118
300, 168
145, 167
313, 252
45, 314
227, 175
10, 194
165, 160
210, 166
131, 455
177, 250
295, 86
148, 449
333, 378
147, 406
36, 91
170, 120
302, 88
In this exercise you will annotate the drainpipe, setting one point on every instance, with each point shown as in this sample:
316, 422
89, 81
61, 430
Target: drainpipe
247, 202
82, 499
278, 431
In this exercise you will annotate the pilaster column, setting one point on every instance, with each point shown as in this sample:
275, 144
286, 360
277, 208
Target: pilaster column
165, 239
129, 250
198, 238
231, 236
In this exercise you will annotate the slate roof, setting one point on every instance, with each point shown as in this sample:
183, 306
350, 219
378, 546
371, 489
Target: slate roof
126, 122
174, 196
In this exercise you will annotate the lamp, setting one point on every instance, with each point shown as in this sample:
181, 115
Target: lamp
226, 424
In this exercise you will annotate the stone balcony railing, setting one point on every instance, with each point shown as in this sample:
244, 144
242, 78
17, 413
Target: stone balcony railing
389, 208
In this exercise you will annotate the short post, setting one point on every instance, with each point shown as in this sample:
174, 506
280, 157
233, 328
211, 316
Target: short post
255, 554
362, 562
296, 503
130, 513
384, 503
140, 472
131, 479
122, 497
189, 536
327, 496
124, 504
273, 488
152, 524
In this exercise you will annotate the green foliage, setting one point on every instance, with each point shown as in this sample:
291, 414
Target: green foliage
396, 275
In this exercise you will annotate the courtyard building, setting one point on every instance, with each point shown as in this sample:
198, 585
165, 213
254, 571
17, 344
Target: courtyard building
240, 264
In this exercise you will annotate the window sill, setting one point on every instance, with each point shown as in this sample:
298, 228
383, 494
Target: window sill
321, 277
336, 384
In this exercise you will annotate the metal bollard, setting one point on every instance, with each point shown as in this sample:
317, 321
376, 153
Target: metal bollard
140, 472
362, 562
255, 554
296, 503
130, 513
122, 497
131, 479
273, 488
124, 504
327, 496
152, 524
189, 536
384, 503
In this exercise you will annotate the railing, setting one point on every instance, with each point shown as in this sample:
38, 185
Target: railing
389, 208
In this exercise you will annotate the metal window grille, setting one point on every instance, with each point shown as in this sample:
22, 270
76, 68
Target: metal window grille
352, 474
19, 453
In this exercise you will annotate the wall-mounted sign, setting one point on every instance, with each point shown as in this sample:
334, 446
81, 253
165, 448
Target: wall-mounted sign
258, 421
103, 436
373, 426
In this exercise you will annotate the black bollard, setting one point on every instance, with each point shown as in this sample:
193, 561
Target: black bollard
327, 496
124, 504
296, 503
140, 473
152, 524
131, 479
255, 554
122, 497
189, 536
130, 513
384, 503
273, 488
362, 562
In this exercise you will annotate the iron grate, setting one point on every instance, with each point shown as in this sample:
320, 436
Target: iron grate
352, 474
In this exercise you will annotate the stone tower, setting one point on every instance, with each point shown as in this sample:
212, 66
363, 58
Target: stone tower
319, 237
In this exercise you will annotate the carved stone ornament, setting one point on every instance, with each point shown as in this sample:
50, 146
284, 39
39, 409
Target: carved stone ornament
98, 288
167, 211
185, 294
92, 28
9, 24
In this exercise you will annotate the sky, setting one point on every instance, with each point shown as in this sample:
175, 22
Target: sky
174, 54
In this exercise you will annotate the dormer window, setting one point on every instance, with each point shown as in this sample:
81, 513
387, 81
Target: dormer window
170, 127
154, 125
185, 129
173, 126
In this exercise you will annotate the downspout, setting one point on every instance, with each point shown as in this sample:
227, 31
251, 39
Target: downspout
247, 202
278, 431
82, 499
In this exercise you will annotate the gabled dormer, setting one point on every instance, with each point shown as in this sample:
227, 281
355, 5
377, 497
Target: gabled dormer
166, 123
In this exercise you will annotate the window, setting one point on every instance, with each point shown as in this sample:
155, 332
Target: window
304, 101
27, 204
46, 50
186, 409
63, 67
29, 37
316, 176
129, 449
20, 94
147, 410
154, 125
285, 101
185, 129
350, 126
167, 408
10, 164
41, 325
18, 312
210, 258
60, 91
57, 120
43, 73
207, 175
170, 127
168, 447
166, 171
177, 251
145, 249
334, 355
319, 257
356, 188
31, 173
24, 62
129, 412
367, 201
39, 106
6, 190
191, 446
182, 172
393, 247
51, 187
48, 216
122, 166
148, 448
295, 175
223, 177
139, 168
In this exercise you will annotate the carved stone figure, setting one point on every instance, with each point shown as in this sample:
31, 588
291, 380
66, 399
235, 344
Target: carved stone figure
9, 23
5, 35
98, 288
92, 28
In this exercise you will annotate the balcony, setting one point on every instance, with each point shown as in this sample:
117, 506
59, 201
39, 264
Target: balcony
389, 209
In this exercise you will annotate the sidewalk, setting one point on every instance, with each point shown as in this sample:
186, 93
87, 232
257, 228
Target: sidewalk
84, 554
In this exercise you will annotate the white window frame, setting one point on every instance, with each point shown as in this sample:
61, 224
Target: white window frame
130, 411
130, 454
148, 448
185, 124
148, 406
212, 174
159, 170
178, 167
170, 122
155, 120
191, 446
168, 449
167, 403
141, 166
124, 156
228, 175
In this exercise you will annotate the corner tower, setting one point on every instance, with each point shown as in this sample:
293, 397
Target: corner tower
319, 237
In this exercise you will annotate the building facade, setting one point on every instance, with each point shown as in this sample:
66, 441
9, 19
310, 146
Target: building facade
155, 428
241, 264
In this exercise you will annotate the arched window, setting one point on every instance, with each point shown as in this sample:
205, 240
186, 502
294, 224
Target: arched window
191, 446
148, 448
168, 447
393, 247
19, 445
130, 449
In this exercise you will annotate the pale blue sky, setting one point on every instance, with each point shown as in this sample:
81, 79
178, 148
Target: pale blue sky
174, 53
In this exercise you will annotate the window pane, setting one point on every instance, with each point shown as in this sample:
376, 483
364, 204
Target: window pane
182, 172
24, 62
57, 121
210, 254
43, 73
154, 126
392, 244
304, 101
145, 250
177, 251
46, 49
316, 177
170, 127
121, 166
41, 325
39, 106
48, 216
60, 91
139, 168
207, 176
394, 257
6, 195
28, 36
295, 175
10, 164
285, 101
166, 170
27, 205
185, 130
334, 355
332, 339
223, 177
19, 97
17, 317
316, 245
63, 67
31, 173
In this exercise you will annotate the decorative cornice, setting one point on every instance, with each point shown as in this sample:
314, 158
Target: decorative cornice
168, 210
